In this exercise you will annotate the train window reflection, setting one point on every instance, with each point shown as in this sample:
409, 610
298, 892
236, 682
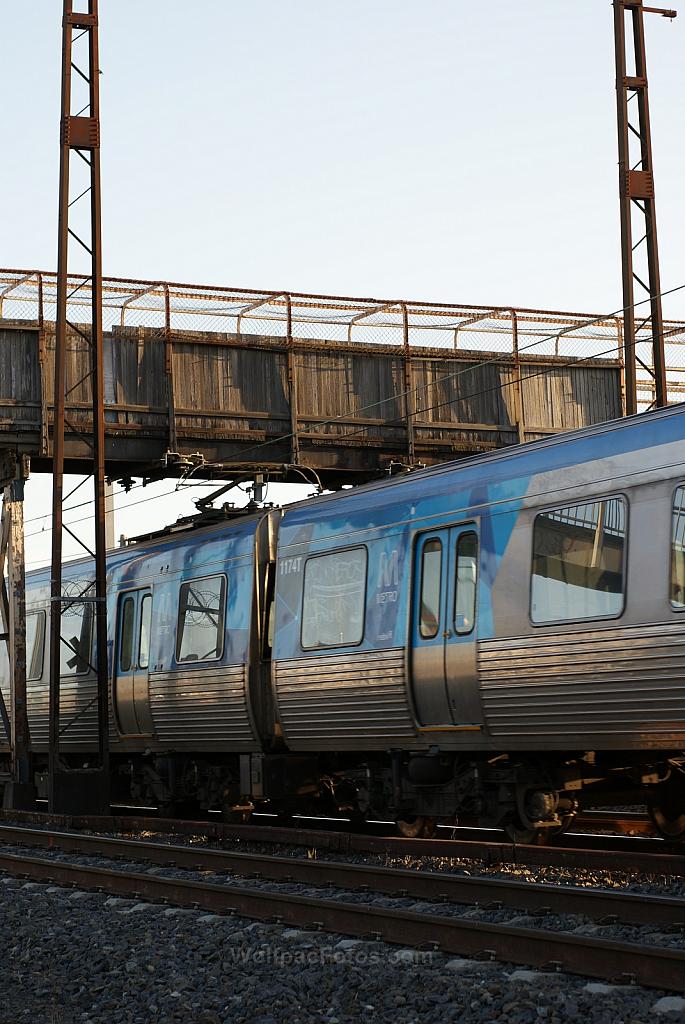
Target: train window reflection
465, 597
431, 575
334, 599
201, 612
678, 550
35, 644
77, 636
578, 562
144, 637
126, 636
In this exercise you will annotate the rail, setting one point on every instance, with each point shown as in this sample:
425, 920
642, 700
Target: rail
656, 966
620, 853
432, 885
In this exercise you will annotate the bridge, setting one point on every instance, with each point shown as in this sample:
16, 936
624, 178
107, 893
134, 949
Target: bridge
226, 380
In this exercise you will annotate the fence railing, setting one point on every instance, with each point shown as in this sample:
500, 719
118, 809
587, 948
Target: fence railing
30, 296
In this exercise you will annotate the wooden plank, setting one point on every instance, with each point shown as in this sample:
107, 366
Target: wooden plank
232, 393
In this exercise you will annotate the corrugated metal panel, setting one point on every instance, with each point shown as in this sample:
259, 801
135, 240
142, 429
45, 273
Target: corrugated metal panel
194, 708
78, 713
343, 698
629, 679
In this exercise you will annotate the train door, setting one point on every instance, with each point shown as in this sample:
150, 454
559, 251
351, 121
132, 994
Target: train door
131, 674
443, 654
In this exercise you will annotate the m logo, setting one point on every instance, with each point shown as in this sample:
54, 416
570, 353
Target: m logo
390, 569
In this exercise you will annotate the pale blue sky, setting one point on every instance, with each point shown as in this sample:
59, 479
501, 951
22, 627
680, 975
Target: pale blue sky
439, 150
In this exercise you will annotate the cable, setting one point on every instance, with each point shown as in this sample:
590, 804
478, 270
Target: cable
83, 504
142, 501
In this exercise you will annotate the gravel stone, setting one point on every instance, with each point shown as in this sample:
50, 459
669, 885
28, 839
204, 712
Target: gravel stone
410, 956
529, 977
461, 964
600, 988
137, 908
670, 1004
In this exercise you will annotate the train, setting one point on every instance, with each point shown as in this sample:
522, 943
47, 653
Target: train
499, 640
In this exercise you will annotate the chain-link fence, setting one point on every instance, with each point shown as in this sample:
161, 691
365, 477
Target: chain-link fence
30, 297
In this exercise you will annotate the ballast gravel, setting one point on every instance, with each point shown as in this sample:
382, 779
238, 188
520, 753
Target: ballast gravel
646, 883
73, 957
672, 937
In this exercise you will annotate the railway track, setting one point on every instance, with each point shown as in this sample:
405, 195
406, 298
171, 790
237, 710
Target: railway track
618, 822
432, 885
619, 853
654, 966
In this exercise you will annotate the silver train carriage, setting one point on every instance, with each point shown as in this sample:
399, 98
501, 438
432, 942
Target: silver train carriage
499, 639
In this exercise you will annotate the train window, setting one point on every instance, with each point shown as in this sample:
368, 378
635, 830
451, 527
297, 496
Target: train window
77, 638
678, 550
128, 614
201, 613
334, 599
35, 644
467, 570
269, 616
431, 575
144, 635
578, 557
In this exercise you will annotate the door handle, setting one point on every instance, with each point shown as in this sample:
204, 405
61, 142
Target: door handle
447, 634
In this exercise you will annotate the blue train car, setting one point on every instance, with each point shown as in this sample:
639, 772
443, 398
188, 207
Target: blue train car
187, 694
499, 638
525, 606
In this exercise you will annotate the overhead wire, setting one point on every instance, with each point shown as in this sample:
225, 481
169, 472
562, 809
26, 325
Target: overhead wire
141, 501
81, 504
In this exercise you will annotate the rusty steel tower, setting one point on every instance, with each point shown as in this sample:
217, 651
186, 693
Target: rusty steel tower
636, 192
83, 601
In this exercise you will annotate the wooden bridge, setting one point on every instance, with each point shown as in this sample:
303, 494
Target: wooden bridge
297, 384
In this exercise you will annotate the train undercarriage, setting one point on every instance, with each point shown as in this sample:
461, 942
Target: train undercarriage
533, 797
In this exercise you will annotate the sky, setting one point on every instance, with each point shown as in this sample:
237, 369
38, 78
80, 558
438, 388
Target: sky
442, 150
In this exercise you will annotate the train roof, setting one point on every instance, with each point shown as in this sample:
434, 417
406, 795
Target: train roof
643, 430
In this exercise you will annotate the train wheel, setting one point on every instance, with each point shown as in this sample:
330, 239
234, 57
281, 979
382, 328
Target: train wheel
666, 808
416, 828
532, 806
